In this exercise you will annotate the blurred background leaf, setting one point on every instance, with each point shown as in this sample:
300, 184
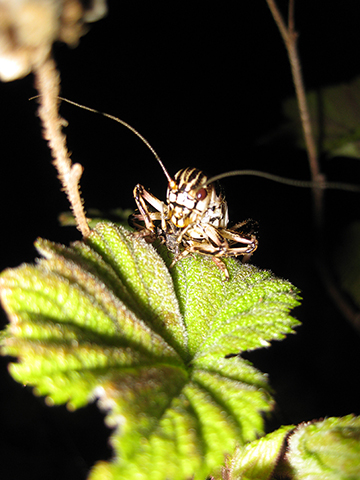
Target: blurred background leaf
335, 118
347, 261
329, 449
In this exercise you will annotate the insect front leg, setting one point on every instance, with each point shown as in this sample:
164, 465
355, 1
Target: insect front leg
148, 230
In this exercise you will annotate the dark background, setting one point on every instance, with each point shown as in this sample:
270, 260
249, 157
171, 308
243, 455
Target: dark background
204, 83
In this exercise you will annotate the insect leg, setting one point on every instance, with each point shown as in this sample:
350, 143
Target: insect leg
251, 226
142, 196
220, 264
135, 218
181, 255
236, 238
204, 249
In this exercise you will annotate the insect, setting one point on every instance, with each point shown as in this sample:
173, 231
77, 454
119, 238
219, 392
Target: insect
194, 219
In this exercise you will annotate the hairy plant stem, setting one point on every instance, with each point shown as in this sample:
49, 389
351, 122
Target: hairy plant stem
289, 36
47, 82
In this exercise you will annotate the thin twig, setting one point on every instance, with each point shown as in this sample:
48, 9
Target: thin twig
291, 16
47, 80
289, 36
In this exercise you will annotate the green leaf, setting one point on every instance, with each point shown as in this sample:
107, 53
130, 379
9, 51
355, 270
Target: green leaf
335, 118
232, 317
329, 449
257, 460
103, 319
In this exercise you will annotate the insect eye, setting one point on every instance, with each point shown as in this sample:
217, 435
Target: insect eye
201, 194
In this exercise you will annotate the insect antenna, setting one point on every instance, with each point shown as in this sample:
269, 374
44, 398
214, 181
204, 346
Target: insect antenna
288, 181
132, 129
275, 178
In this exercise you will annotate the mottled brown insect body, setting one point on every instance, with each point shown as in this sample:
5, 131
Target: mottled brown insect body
194, 219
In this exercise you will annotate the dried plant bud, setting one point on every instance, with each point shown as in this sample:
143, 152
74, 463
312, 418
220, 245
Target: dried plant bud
28, 29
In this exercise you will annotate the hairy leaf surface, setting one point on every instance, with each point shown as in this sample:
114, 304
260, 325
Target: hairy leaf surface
327, 449
257, 460
105, 319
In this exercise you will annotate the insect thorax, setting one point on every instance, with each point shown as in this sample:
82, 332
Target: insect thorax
190, 201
